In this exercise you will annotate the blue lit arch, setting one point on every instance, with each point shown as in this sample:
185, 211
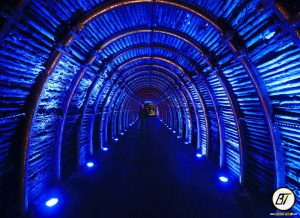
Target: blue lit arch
227, 59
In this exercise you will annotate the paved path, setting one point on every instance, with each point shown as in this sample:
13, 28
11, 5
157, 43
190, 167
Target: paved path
155, 175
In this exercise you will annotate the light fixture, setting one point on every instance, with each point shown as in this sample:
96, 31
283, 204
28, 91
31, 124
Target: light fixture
122, 133
198, 155
174, 131
51, 202
116, 139
104, 148
223, 179
90, 164
186, 143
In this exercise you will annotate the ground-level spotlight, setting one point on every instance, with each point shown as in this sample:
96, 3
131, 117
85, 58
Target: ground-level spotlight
186, 143
51, 202
223, 179
174, 131
116, 139
90, 164
178, 136
104, 149
122, 133
170, 128
199, 155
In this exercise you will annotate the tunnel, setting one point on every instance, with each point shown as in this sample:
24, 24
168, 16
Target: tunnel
149, 108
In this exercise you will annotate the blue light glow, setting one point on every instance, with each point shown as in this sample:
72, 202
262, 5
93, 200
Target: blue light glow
122, 133
89, 164
223, 179
116, 139
105, 149
51, 202
270, 35
174, 131
199, 155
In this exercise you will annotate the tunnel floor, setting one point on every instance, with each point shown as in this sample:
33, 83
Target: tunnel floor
153, 174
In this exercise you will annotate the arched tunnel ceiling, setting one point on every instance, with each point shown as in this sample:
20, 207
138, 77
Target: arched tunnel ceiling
224, 73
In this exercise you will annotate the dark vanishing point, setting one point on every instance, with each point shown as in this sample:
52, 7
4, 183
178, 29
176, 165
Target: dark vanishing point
149, 108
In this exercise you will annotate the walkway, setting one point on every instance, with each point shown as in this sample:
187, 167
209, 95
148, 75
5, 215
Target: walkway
153, 175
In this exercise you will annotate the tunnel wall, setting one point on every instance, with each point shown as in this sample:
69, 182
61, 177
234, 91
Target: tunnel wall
224, 76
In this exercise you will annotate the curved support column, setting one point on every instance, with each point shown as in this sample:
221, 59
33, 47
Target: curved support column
220, 121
